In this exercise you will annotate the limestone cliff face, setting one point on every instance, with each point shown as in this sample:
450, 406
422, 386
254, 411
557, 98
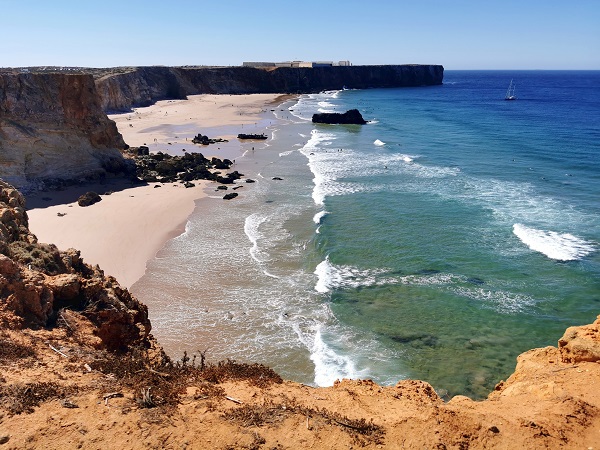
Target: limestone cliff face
53, 128
144, 85
139, 87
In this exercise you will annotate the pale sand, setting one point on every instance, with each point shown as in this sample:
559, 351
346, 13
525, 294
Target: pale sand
126, 229
170, 125
123, 231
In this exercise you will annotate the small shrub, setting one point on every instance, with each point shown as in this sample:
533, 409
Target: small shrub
229, 370
22, 398
11, 350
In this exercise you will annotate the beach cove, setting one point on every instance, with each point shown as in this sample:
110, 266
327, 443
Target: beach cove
386, 251
128, 227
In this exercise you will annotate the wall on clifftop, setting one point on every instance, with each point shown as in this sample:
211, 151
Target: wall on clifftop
53, 129
144, 85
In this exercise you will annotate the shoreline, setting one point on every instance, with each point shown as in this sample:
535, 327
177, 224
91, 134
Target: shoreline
124, 231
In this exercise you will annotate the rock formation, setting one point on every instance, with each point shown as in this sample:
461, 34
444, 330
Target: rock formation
53, 129
205, 140
142, 86
39, 283
191, 166
350, 117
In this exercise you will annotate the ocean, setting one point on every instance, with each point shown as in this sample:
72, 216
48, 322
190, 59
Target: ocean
451, 233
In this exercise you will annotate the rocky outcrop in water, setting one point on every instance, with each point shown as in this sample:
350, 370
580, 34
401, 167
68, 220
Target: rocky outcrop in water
350, 117
53, 130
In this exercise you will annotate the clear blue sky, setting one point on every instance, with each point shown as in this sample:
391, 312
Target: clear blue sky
460, 34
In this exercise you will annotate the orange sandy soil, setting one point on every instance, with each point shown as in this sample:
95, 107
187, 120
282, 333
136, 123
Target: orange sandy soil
551, 401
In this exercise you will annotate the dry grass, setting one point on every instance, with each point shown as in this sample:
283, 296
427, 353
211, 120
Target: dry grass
11, 351
271, 414
229, 370
21, 398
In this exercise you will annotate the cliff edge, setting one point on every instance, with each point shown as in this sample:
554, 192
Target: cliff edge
79, 369
141, 86
53, 129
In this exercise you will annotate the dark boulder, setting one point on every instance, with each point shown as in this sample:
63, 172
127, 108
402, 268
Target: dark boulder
230, 196
89, 198
205, 140
351, 117
261, 136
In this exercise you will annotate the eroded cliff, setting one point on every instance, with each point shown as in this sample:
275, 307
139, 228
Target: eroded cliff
53, 129
144, 85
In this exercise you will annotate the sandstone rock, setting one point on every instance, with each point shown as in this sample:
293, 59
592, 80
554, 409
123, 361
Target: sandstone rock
65, 287
34, 297
581, 343
55, 131
141, 86
8, 268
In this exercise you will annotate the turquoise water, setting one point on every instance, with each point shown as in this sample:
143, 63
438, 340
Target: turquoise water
451, 233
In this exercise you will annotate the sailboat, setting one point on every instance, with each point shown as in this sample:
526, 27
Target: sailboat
510, 93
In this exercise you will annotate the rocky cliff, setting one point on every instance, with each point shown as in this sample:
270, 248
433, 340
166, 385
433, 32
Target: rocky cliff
40, 284
144, 85
53, 128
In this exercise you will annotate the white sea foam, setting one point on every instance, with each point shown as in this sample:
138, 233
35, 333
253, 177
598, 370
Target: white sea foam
434, 279
251, 228
324, 272
289, 152
329, 365
331, 277
319, 216
501, 301
379, 143
562, 247
325, 104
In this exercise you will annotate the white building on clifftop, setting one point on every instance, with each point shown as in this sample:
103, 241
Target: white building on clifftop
265, 64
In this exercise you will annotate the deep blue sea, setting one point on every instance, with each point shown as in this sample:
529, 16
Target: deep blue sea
451, 233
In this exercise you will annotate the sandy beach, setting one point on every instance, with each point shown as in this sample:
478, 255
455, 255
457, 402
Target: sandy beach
170, 125
127, 228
